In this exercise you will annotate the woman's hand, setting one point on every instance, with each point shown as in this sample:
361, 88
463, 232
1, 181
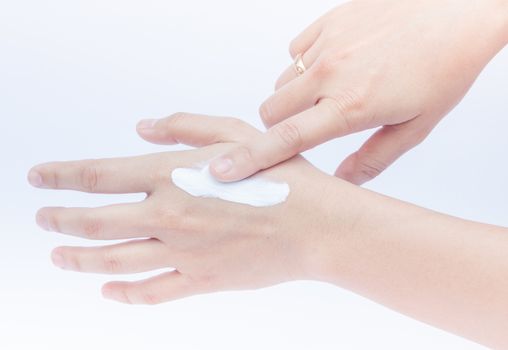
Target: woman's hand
438, 269
398, 64
212, 244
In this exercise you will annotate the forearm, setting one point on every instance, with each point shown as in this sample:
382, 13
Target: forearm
501, 21
484, 31
445, 271
504, 29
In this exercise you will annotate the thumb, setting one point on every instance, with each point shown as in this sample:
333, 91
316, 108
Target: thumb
379, 152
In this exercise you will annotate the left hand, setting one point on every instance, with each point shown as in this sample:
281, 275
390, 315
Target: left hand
212, 244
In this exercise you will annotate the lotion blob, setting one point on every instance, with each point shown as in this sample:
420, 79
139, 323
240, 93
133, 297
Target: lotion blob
255, 191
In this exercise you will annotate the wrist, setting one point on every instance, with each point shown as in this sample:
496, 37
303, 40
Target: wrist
483, 27
343, 214
359, 224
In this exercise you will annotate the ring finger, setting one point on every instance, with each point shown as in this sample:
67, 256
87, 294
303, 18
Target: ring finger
127, 257
308, 58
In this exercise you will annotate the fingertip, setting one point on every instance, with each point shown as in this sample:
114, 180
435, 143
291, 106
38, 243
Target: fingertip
42, 220
57, 257
44, 175
34, 178
226, 170
111, 291
38, 175
347, 171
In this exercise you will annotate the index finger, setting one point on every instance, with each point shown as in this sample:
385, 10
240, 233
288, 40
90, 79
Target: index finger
284, 140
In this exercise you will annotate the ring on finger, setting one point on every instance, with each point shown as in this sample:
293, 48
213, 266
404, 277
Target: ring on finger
299, 65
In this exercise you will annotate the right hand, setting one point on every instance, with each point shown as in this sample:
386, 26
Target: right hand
395, 64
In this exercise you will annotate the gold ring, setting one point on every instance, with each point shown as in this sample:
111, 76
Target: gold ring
299, 65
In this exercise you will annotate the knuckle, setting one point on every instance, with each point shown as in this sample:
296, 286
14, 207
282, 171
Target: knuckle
324, 66
371, 167
327, 63
233, 122
168, 220
126, 296
149, 297
346, 107
177, 119
89, 177
74, 260
350, 100
55, 179
243, 154
289, 135
54, 222
174, 122
236, 130
240, 131
111, 262
206, 281
92, 227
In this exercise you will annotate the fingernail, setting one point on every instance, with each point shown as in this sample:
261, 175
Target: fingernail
42, 222
146, 124
58, 259
222, 165
34, 178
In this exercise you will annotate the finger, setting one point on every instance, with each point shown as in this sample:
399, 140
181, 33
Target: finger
115, 175
194, 130
304, 41
127, 257
155, 290
382, 149
308, 57
295, 97
327, 120
119, 221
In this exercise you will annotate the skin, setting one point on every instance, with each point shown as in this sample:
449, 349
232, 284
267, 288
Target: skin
442, 270
399, 66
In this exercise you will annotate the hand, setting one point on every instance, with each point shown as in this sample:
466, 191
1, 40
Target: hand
401, 65
212, 244
444, 271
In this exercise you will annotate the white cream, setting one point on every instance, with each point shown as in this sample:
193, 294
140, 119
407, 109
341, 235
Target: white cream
255, 191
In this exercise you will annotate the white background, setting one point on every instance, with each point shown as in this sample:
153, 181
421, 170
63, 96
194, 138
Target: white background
76, 76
